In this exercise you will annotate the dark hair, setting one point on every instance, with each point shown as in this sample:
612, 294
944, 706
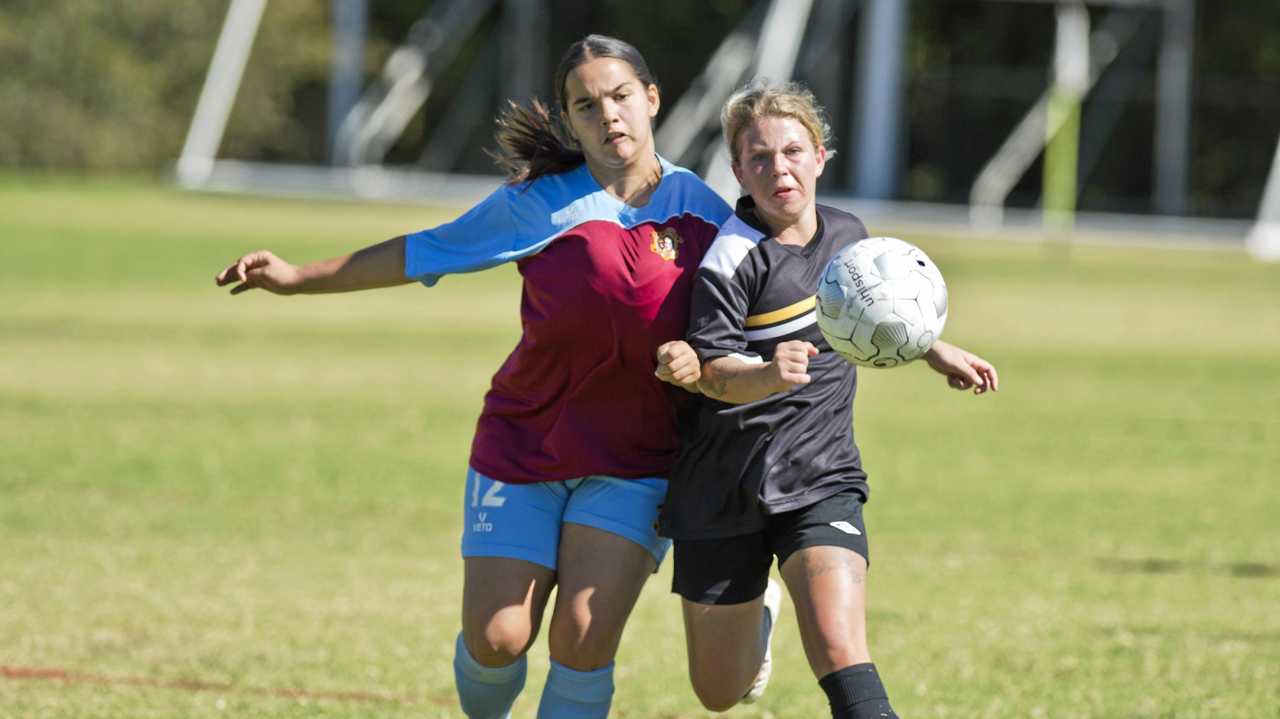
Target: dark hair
532, 141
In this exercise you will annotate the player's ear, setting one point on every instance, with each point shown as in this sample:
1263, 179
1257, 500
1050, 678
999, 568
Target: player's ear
821, 156
655, 99
733, 160
567, 129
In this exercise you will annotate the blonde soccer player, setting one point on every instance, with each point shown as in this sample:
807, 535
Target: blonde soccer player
770, 467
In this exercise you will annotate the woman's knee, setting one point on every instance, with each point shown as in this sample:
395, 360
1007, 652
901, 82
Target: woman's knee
502, 604
714, 692
721, 675
582, 643
500, 640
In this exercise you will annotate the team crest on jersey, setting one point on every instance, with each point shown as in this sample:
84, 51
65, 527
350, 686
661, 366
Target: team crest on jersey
666, 244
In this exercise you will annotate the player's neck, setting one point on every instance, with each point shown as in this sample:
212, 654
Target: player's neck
633, 184
793, 231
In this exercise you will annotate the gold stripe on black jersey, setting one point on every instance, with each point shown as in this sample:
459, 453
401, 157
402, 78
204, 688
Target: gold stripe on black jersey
782, 314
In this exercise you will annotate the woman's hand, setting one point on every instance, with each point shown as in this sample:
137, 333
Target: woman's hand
790, 364
679, 365
261, 270
963, 369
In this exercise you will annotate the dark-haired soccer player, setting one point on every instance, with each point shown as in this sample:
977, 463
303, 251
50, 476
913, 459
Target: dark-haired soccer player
576, 437
769, 466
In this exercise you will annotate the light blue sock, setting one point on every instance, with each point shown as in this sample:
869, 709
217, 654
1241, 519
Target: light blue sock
572, 694
486, 692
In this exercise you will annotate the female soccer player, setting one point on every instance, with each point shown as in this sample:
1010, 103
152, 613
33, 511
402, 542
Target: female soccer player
769, 465
576, 436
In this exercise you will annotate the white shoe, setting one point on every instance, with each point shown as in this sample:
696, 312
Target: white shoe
772, 603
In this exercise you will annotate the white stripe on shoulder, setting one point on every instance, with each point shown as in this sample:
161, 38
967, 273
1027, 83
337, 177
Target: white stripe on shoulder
786, 328
735, 240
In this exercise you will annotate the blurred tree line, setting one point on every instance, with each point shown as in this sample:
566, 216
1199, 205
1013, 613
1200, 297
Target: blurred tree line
111, 84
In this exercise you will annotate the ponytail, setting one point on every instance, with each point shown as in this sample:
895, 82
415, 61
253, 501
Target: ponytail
532, 143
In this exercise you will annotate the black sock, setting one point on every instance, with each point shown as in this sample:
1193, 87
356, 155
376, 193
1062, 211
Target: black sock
856, 693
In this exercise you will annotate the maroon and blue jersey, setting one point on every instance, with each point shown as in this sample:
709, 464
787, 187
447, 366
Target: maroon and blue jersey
605, 284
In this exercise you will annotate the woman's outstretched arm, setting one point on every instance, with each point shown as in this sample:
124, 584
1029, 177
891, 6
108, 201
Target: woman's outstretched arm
380, 265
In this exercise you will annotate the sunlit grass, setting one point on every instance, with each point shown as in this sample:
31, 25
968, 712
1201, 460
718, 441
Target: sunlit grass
247, 506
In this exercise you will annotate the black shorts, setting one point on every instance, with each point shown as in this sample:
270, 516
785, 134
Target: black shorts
732, 570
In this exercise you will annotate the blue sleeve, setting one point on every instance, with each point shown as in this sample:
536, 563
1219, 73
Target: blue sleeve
489, 234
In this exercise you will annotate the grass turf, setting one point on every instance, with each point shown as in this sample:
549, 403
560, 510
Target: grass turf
218, 506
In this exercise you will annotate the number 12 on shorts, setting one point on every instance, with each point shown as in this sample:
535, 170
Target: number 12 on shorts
490, 498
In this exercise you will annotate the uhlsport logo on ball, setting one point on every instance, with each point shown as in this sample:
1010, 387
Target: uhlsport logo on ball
881, 302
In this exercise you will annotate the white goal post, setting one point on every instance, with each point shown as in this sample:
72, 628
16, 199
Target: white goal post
769, 41
1264, 240
230, 56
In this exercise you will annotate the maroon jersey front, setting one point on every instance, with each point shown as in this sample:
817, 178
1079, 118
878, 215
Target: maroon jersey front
604, 285
578, 396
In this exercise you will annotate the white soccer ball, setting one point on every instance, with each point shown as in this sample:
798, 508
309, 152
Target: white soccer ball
881, 302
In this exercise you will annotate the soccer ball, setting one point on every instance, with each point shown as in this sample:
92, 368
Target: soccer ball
881, 302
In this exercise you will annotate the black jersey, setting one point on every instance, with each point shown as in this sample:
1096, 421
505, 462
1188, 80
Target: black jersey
739, 463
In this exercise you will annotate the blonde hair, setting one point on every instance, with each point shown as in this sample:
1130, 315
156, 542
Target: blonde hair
760, 99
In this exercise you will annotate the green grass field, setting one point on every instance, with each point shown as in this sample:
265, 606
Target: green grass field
249, 506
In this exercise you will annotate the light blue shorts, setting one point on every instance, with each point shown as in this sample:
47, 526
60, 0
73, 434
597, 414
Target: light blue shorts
522, 521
